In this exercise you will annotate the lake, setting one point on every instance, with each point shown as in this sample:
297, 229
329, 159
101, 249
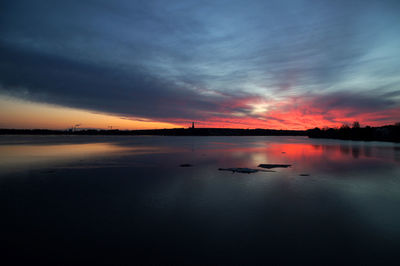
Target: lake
126, 200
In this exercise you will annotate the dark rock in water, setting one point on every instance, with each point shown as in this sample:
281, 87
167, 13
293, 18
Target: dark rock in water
304, 175
270, 166
239, 170
243, 170
186, 165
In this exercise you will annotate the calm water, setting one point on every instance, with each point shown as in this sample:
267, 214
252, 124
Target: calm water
119, 200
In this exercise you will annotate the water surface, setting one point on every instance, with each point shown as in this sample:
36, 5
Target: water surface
120, 199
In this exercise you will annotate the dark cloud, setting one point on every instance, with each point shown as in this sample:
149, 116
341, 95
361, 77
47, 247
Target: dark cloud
352, 101
52, 79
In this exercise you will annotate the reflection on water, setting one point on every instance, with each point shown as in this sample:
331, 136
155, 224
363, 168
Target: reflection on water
19, 157
309, 157
32, 154
120, 199
242, 150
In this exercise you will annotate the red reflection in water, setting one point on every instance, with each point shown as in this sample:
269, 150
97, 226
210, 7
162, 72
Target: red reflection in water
306, 158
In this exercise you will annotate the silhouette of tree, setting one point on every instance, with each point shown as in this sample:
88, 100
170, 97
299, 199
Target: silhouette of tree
344, 126
356, 124
356, 132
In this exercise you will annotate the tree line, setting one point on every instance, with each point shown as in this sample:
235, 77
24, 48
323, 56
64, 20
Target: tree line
356, 132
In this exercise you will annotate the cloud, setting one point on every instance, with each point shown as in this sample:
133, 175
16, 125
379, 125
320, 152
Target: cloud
332, 109
47, 78
260, 64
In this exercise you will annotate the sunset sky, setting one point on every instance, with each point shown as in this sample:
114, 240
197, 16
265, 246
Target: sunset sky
162, 64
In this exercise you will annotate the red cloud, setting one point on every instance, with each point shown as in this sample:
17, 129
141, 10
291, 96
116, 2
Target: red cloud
298, 112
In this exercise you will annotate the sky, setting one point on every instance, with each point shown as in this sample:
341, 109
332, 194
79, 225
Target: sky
234, 64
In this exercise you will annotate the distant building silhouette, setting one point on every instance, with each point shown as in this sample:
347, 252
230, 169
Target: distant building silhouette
192, 125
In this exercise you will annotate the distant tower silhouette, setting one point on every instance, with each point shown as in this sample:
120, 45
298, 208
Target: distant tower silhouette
192, 125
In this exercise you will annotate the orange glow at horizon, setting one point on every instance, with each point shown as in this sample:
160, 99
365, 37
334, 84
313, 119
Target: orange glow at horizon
286, 115
21, 114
